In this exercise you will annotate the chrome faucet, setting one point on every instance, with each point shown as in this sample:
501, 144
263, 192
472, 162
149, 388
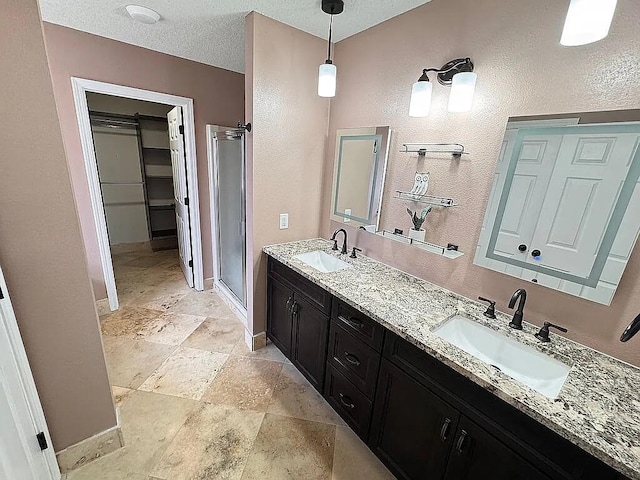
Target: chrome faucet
521, 294
335, 242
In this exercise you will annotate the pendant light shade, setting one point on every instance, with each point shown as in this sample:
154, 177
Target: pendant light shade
463, 87
327, 80
420, 98
587, 21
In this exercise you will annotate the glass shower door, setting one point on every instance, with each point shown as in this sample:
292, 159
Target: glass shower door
231, 211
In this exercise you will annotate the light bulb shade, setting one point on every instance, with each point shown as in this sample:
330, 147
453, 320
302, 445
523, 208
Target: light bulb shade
587, 21
463, 87
327, 80
420, 99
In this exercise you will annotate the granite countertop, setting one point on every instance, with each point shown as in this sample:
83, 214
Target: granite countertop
598, 408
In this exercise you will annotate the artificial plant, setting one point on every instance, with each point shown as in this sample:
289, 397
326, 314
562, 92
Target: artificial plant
418, 220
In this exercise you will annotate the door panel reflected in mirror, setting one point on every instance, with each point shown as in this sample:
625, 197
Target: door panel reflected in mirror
564, 210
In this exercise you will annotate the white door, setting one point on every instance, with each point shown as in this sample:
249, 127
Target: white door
582, 194
21, 416
180, 191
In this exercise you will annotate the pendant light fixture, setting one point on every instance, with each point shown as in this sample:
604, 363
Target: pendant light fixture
327, 72
587, 21
457, 74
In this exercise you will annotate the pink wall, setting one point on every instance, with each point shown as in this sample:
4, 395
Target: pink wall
41, 249
286, 146
218, 99
522, 70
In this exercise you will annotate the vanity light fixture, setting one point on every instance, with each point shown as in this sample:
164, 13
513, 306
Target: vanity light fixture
327, 72
587, 21
457, 74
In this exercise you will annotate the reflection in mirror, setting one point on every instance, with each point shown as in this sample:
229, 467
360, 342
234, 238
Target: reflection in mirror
564, 210
358, 175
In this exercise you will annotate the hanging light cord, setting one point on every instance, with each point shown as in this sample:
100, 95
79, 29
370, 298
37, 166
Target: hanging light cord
329, 46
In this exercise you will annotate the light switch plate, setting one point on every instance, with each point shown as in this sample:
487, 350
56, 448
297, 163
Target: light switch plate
284, 221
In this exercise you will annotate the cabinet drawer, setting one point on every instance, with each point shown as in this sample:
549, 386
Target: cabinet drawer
348, 401
320, 298
357, 323
354, 359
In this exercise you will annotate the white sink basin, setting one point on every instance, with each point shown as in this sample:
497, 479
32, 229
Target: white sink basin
527, 365
322, 261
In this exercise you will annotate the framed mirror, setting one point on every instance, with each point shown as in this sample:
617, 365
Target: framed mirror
358, 175
564, 209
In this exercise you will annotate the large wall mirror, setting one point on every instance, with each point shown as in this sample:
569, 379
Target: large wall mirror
564, 210
358, 175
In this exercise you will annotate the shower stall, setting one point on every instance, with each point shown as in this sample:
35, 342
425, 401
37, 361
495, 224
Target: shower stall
229, 195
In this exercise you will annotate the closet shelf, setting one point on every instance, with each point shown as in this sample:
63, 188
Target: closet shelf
429, 247
454, 149
426, 199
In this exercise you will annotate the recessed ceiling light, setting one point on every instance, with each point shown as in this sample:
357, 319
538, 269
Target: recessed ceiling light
143, 14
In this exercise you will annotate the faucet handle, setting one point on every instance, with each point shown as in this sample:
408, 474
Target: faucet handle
490, 312
353, 252
543, 334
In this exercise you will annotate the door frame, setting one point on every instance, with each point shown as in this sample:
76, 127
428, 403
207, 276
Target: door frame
212, 163
19, 355
81, 87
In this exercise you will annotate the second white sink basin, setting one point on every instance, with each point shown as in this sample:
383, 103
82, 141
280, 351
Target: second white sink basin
321, 261
527, 365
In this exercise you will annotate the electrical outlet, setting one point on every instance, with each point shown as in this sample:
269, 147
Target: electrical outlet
347, 211
284, 221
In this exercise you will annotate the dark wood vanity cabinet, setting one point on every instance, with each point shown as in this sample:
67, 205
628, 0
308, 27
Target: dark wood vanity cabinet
423, 419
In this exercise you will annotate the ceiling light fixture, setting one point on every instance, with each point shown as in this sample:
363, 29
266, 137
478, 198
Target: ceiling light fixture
587, 21
457, 74
143, 14
327, 72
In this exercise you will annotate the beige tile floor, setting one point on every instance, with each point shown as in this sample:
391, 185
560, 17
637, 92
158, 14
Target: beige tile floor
196, 404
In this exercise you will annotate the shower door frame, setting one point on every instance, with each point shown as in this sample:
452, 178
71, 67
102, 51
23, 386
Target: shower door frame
213, 192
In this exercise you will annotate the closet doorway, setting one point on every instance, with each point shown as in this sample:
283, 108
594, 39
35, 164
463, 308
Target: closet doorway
139, 152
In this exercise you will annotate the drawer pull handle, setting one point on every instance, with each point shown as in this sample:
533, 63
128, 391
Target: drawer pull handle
352, 359
354, 322
346, 401
444, 431
460, 444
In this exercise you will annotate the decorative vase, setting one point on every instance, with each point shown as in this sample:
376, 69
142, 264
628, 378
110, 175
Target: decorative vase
417, 234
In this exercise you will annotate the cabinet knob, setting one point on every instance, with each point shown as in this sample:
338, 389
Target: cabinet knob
522, 247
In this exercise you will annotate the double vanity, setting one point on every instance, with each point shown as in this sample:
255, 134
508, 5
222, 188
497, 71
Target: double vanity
438, 390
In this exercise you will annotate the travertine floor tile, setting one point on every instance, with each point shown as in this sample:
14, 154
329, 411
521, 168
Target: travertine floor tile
120, 394
295, 397
142, 261
127, 321
149, 424
170, 328
130, 362
207, 304
217, 334
291, 448
245, 383
352, 459
187, 373
214, 443
270, 352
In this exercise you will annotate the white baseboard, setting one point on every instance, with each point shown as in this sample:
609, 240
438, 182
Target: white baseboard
90, 449
255, 342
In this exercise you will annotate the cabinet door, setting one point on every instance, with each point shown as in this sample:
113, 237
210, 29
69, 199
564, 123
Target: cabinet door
477, 454
279, 303
309, 344
413, 429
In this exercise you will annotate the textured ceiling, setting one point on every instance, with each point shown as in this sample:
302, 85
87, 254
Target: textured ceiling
212, 31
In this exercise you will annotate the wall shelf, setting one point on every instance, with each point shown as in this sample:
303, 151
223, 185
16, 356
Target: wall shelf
454, 149
429, 247
426, 199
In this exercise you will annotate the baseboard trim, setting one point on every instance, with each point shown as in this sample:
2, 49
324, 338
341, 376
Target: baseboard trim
103, 307
255, 342
90, 449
